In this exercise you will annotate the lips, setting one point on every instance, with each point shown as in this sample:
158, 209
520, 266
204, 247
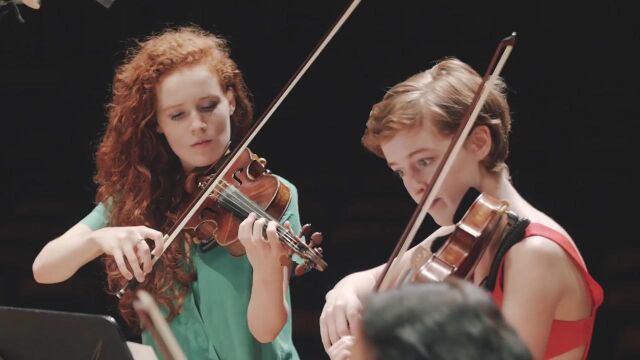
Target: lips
200, 143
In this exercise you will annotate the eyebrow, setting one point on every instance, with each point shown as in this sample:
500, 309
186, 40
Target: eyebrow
417, 151
212, 97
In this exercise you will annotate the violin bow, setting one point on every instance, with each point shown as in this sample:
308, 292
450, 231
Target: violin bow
153, 321
253, 131
493, 71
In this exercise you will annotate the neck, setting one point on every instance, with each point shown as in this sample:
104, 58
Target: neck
499, 186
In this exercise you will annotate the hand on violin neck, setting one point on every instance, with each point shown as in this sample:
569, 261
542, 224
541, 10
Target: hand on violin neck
262, 243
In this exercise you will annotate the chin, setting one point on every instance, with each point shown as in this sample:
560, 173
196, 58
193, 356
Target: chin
440, 215
203, 162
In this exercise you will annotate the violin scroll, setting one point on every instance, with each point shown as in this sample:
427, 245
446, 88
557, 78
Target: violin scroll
313, 252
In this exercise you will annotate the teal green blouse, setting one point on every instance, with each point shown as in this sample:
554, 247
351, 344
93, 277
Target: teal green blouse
213, 321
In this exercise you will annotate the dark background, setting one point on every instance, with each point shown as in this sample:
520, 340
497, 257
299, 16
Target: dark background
572, 76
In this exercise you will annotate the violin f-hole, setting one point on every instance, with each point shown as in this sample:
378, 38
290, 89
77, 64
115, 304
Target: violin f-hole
236, 177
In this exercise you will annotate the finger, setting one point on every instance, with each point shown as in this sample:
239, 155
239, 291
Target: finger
346, 348
156, 236
144, 254
133, 262
342, 349
333, 330
292, 238
274, 239
117, 256
257, 230
324, 332
342, 327
355, 320
245, 229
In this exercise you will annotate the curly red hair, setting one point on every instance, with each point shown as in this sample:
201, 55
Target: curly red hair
139, 177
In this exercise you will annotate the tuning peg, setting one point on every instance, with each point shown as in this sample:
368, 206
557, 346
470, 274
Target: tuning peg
316, 239
306, 229
301, 269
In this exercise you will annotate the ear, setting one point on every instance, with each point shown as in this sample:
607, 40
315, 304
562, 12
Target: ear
158, 128
231, 98
479, 141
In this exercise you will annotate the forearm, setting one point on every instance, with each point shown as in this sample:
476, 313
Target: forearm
361, 282
268, 309
62, 257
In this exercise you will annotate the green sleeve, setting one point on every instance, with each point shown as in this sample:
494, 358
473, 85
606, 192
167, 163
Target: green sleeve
292, 214
97, 218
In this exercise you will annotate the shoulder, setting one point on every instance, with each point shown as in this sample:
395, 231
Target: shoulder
288, 184
536, 262
536, 250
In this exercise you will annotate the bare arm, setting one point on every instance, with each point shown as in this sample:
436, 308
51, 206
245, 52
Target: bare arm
63, 256
268, 310
342, 310
533, 288
359, 283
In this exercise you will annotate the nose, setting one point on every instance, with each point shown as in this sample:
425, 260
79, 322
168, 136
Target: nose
197, 123
416, 185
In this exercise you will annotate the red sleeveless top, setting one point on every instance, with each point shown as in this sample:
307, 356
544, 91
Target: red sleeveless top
564, 335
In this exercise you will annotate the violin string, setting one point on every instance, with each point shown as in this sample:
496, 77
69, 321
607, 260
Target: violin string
243, 206
229, 193
237, 205
241, 200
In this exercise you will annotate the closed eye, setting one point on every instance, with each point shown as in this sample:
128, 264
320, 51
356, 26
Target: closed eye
209, 107
176, 115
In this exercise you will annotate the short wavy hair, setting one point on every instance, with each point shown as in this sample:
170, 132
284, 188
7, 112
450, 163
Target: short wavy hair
443, 94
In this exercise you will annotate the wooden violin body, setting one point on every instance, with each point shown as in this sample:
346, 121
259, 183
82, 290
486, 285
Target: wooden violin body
247, 187
483, 224
247, 184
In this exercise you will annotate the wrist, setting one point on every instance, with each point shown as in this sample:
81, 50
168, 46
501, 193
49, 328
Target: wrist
94, 245
267, 272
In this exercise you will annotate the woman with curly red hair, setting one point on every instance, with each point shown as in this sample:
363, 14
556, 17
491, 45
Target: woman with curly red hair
178, 101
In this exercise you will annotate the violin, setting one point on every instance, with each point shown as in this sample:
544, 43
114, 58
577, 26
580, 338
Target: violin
461, 252
247, 187
484, 223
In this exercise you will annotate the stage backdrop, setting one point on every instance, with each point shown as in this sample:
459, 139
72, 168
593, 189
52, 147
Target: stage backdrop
572, 86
